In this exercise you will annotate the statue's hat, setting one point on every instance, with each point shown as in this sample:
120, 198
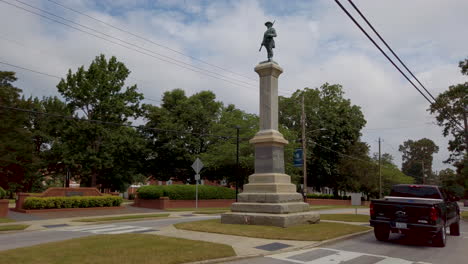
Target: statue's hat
268, 22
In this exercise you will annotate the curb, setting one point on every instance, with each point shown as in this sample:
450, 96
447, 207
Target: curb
316, 244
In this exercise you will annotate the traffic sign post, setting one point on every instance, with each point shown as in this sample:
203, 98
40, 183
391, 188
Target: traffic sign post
197, 166
197, 178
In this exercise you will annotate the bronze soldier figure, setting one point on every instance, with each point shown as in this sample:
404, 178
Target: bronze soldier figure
268, 40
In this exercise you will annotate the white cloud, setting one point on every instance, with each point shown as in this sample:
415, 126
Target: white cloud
316, 43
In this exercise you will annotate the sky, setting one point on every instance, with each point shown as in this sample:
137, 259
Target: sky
213, 45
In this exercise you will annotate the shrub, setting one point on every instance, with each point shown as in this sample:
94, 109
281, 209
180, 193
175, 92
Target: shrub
71, 202
2, 193
186, 192
150, 192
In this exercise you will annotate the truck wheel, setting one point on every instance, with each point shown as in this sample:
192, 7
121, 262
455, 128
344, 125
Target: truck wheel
381, 232
455, 229
440, 238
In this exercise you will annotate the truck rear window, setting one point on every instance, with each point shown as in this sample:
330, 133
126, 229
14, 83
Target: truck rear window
415, 191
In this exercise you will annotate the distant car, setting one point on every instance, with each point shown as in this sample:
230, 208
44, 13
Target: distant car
425, 210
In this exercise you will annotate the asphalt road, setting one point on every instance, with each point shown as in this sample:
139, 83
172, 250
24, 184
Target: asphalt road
24, 239
366, 249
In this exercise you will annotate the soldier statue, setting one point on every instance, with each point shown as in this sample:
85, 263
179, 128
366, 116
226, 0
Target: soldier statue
268, 40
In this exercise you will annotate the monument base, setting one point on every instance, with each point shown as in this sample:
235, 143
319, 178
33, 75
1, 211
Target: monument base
280, 220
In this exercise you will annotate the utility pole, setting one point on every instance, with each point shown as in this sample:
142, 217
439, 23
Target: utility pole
380, 173
304, 151
237, 162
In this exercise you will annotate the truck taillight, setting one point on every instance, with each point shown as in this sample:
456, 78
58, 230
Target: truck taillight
434, 216
371, 209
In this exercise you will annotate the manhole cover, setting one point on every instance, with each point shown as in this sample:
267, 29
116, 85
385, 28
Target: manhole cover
273, 246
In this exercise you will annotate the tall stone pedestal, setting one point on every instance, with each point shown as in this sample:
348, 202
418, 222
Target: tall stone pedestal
269, 198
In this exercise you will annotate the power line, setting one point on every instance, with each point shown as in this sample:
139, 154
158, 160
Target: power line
203, 71
355, 158
398, 58
115, 124
148, 40
386, 56
391, 50
128, 43
54, 76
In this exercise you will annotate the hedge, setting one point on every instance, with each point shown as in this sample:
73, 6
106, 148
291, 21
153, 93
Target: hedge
327, 196
2, 193
71, 202
150, 192
185, 192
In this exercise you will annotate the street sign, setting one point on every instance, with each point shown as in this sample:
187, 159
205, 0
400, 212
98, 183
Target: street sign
298, 157
197, 165
197, 177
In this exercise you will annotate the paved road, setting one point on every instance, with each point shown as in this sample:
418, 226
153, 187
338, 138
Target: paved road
57, 233
367, 250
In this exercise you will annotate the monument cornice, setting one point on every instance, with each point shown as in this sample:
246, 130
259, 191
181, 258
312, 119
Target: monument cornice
268, 69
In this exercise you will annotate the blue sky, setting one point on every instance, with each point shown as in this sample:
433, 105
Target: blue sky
316, 43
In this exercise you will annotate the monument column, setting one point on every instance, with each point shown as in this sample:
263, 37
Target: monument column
269, 198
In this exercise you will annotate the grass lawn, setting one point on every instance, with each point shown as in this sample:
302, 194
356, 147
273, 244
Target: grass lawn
330, 207
464, 215
345, 217
6, 220
123, 248
123, 217
13, 227
225, 209
11, 201
315, 232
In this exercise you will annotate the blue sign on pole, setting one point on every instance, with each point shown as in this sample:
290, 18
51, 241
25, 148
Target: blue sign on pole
298, 157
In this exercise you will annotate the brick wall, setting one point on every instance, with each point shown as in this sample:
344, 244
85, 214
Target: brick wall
165, 203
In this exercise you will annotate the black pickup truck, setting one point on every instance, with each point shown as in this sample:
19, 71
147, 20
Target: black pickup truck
422, 210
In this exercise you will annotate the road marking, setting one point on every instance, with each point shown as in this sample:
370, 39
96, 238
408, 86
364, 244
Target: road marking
333, 256
106, 229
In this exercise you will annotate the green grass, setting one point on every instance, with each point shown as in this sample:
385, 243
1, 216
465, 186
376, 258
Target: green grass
123, 248
6, 220
199, 209
13, 227
330, 207
124, 217
345, 217
464, 215
314, 232
11, 201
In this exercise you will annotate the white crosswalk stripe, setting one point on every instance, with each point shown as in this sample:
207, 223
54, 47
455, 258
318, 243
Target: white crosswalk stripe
333, 256
105, 229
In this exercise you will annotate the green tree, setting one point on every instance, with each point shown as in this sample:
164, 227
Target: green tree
16, 148
90, 148
417, 158
186, 131
333, 125
220, 157
451, 110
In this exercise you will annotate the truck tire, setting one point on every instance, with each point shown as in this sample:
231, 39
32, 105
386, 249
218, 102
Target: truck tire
440, 239
381, 232
455, 229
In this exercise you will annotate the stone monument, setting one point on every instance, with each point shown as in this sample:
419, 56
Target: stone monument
269, 198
